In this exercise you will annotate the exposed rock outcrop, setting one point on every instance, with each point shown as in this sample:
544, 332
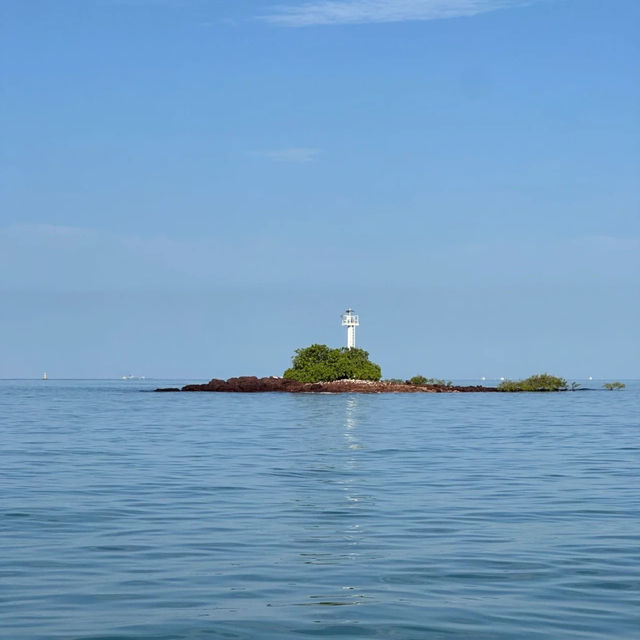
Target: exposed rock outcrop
251, 384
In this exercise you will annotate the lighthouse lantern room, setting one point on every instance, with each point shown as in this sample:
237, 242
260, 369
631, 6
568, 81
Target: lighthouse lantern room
351, 321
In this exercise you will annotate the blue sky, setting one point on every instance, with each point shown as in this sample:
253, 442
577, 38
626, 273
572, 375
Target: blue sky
194, 188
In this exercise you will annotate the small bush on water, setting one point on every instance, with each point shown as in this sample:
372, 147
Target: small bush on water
539, 382
420, 381
614, 385
510, 385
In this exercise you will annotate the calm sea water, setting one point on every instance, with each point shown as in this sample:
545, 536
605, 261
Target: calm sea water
137, 515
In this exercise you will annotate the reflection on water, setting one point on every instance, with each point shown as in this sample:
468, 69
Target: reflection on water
332, 506
350, 423
331, 502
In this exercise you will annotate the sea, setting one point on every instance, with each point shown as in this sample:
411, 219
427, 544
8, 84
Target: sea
132, 515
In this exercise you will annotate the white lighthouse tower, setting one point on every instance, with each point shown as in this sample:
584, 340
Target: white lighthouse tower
351, 321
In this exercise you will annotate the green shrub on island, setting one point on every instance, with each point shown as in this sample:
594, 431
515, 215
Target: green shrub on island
539, 382
614, 385
421, 381
319, 363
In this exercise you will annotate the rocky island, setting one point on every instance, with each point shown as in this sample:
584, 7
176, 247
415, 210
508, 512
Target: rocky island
252, 384
320, 369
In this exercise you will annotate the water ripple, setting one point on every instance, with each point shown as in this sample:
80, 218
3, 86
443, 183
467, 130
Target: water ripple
159, 516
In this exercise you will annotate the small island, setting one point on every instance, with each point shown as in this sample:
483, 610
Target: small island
252, 384
322, 369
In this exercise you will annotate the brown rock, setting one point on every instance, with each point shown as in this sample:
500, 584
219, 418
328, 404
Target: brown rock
252, 384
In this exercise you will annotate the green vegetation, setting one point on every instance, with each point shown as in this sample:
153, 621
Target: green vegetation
319, 363
614, 385
420, 381
540, 382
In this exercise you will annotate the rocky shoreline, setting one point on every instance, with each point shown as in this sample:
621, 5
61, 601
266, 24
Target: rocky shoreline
252, 384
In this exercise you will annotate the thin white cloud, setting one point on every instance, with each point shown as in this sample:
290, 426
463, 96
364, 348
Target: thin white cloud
147, 3
296, 155
325, 12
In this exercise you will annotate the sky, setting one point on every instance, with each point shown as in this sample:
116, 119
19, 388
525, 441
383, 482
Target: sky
195, 188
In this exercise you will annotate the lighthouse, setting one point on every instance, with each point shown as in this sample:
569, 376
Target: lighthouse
351, 321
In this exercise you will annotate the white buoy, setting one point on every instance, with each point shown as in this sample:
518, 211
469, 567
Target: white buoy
351, 321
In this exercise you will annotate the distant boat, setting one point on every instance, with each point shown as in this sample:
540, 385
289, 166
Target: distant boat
44, 375
483, 378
